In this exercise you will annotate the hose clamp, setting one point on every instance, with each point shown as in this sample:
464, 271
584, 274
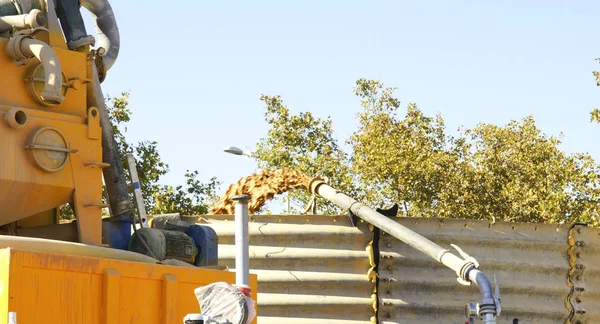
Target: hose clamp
13, 47
313, 184
470, 263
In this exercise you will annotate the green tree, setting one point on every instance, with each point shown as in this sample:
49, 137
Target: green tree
304, 142
149, 164
520, 174
512, 172
403, 160
595, 115
195, 198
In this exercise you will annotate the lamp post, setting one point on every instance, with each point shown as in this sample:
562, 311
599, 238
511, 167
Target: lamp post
237, 151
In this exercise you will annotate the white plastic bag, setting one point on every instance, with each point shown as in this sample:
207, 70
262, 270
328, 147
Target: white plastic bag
221, 300
246, 291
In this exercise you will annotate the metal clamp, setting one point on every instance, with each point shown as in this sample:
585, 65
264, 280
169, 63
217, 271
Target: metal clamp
469, 260
13, 47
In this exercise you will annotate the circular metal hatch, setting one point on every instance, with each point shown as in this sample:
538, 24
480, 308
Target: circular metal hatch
49, 149
36, 83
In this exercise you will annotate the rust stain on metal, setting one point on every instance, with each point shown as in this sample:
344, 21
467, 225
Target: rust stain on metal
582, 279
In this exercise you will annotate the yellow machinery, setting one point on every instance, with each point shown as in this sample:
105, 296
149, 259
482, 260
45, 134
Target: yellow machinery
51, 143
56, 146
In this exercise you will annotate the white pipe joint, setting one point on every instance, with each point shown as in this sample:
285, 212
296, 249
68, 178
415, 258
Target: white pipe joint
22, 47
242, 241
34, 19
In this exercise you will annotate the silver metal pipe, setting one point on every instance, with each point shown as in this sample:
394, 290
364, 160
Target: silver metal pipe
114, 175
35, 18
466, 269
242, 241
488, 304
106, 29
18, 7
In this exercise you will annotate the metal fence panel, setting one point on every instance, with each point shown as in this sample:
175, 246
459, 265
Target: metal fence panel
311, 269
320, 270
529, 260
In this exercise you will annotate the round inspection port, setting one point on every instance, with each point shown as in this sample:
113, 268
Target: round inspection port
16, 118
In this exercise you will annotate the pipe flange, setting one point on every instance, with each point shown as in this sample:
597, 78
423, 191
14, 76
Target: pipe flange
485, 308
35, 19
313, 184
13, 47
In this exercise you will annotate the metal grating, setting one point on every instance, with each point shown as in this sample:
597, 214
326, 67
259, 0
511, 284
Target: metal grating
314, 269
311, 269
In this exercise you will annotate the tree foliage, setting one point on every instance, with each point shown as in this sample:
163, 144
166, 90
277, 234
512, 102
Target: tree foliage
595, 114
150, 166
512, 172
304, 142
195, 198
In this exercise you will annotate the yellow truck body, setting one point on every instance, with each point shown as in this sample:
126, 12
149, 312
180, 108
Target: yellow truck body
64, 289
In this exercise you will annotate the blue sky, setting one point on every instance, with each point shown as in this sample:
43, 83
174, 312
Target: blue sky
197, 69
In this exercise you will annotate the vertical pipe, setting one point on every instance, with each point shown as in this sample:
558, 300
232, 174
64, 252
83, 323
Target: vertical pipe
114, 176
242, 241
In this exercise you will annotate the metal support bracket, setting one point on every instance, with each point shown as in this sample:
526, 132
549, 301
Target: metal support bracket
353, 218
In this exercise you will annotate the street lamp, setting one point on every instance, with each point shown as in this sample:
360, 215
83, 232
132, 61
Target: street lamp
237, 151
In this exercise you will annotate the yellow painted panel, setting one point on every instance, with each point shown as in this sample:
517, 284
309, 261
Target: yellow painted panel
26, 189
14, 91
47, 217
48, 288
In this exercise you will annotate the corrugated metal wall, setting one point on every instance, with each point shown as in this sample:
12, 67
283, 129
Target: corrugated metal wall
530, 263
311, 269
584, 275
317, 269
